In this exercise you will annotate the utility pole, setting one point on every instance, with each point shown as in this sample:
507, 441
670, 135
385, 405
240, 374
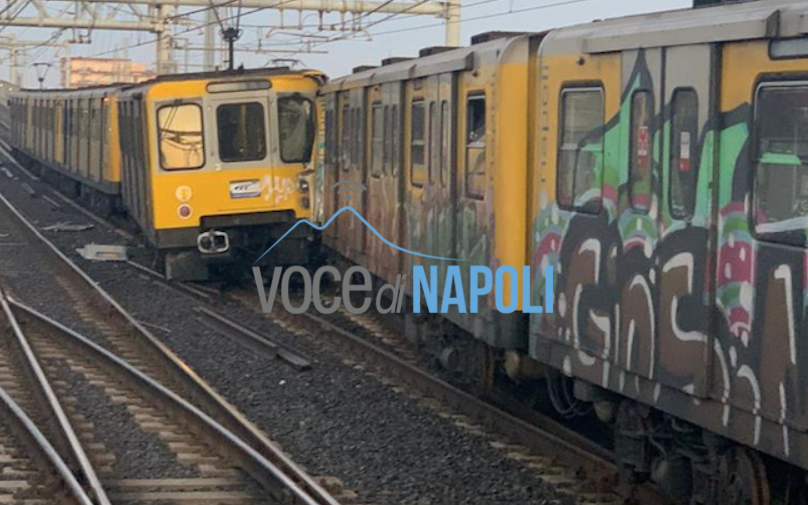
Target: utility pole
453, 23
164, 57
209, 58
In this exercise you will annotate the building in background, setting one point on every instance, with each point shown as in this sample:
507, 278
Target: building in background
80, 72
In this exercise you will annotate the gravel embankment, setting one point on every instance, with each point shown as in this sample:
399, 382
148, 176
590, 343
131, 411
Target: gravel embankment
334, 419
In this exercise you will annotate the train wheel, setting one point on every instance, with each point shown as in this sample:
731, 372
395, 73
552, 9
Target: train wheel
742, 479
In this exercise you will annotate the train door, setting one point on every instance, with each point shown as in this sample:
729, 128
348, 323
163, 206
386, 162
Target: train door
75, 118
684, 295
243, 128
762, 263
86, 148
383, 211
352, 181
641, 118
343, 163
420, 94
96, 131
473, 184
331, 173
440, 219
359, 172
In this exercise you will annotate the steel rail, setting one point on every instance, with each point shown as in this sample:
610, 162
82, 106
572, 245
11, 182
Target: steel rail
51, 404
41, 444
237, 332
259, 467
251, 339
304, 488
541, 434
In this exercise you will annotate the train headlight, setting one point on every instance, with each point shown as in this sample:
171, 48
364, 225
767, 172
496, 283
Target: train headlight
303, 185
184, 194
185, 211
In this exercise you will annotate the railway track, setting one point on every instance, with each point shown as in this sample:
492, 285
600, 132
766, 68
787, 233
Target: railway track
31, 469
564, 458
212, 453
581, 467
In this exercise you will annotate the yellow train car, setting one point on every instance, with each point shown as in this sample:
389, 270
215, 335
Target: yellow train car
73, 135
440, 145
210, 166
215, 165
659, 165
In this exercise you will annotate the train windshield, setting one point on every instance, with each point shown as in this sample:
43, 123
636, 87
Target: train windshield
296, 126
182, 144
241, 131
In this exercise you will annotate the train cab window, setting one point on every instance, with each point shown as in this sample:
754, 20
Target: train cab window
445, 148
684, 162
377, 140
181, 140
475, 146
781, 175
296, 124
417, 144
580, 155
639, 171
242, 133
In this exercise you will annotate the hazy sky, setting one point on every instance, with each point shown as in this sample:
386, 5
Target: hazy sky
390, 36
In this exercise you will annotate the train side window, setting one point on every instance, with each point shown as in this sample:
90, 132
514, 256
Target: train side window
640, 161
386, 141
684, 162
296, 125
395, 133
475, 146
580, 153
242, 133
434, 141
358, 138
417, 144
328, 132
781, 174
181, 139
345, 145
445, 145
377, 140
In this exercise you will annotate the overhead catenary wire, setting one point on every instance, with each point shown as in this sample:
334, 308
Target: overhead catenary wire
196, 28
376, 34
434, 25
466, 20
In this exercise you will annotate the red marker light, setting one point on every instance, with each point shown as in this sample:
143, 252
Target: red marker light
184, 211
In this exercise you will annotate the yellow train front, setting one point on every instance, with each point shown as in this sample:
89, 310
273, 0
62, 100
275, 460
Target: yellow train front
212, 167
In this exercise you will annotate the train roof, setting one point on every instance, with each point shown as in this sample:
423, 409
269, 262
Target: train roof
725, 23
458, 59
110, 88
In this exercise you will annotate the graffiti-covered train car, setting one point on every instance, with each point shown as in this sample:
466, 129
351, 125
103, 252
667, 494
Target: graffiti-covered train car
658, 164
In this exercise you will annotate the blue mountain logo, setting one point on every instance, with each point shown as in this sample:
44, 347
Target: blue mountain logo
352, 187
